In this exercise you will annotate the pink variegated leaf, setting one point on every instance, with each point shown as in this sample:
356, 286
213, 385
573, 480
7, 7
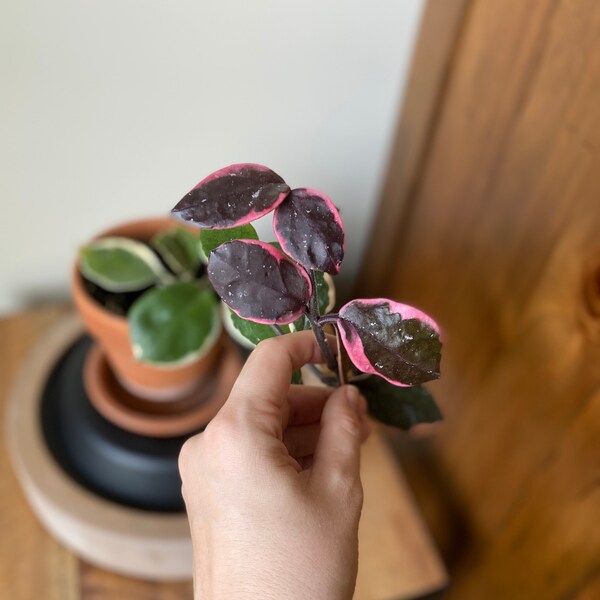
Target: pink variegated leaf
232, 196
395, 341
258, 282
309, 229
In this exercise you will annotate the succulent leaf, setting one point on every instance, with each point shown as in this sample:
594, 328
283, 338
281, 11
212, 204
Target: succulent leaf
179, 249
176, 323
232, 196
119, 264
395, 341
309, 229
213, 238
401, 407
247, 333
258, 282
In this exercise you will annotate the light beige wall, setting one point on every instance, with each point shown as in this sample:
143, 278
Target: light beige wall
113, 109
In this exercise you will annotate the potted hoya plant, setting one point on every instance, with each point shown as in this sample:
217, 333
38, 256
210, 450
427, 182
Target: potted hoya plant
165, 279
155, 295
386, 348
148, 300
143, 293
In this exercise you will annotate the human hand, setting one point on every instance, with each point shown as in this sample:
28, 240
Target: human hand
272, 486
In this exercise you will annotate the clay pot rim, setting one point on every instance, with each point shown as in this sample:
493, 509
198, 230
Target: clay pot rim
184, 421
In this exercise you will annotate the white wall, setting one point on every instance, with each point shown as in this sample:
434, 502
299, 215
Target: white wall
113, 109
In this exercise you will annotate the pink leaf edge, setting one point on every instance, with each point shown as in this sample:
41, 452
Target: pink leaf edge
332, 208
231, 170
353, 343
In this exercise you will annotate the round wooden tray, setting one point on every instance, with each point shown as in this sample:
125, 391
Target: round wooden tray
147, 545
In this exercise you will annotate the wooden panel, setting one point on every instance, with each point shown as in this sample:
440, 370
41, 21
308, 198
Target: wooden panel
502, 246
440, 27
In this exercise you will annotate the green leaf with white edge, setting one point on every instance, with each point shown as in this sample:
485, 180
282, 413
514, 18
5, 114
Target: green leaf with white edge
213, 238
325, 292
180, 250
247, 333
119, 264
174, 324
401, 407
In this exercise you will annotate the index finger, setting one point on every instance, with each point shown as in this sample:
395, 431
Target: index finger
260, 391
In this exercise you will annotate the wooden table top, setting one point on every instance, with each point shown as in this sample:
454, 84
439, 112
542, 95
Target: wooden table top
397, 557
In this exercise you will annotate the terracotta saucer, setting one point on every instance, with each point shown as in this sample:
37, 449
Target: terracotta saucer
159, 419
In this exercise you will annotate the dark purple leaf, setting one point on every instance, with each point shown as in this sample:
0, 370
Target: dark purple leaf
401, 407
309, 229
395, 341
232, 196
258, 282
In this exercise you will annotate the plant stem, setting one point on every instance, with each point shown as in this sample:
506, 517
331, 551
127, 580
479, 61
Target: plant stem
312, 313
322, 341
342, 356
331, 319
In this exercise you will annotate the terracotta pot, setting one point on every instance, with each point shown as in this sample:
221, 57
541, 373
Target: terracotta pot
111, 331
160, 419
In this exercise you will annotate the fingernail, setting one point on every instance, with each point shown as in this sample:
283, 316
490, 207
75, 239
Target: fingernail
353, 396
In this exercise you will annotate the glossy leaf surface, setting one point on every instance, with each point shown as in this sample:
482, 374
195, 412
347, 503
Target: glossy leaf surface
232, 196
396, 341
179, 249
309, 228
120, 264
258, 282
213, 238
401, 407
175, 323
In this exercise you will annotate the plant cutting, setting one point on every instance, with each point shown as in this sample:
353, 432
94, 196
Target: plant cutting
386, 348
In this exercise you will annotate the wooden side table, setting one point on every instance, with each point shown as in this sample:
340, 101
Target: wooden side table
397, 557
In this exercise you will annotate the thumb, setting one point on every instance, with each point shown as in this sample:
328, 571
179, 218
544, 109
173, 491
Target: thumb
337, 453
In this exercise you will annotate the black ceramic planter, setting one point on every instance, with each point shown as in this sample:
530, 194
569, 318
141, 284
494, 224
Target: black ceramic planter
123, 467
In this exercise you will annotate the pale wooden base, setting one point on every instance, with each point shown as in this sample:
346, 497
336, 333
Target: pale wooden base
397, 558
131, 542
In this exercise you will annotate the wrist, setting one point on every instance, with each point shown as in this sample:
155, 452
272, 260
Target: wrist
269, 581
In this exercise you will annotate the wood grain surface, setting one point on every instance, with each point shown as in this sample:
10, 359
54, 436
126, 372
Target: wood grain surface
502, 246
398, 559
440, 30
